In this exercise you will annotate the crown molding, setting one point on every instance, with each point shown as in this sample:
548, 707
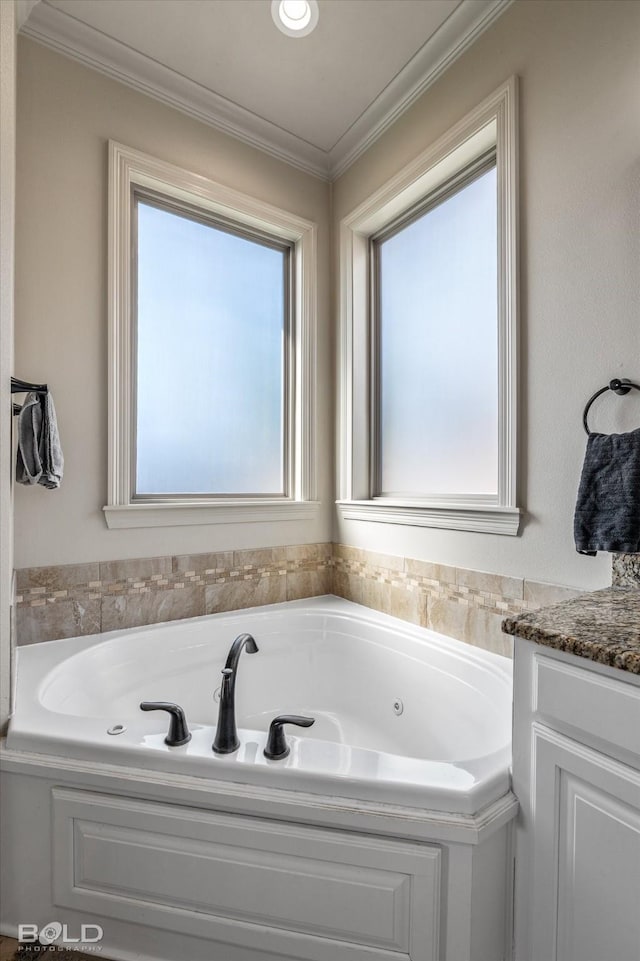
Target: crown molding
66, 35
71, 37
23, 11
461, 29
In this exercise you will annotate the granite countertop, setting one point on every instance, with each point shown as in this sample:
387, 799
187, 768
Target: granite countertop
603, 626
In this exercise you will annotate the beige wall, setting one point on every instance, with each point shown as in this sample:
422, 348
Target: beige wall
579, 72
580, 143
66, 114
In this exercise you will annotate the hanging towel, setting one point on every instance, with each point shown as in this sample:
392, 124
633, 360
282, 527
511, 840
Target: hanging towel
40, 459
607, 516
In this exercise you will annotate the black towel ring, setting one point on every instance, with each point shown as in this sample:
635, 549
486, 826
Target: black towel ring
618, 386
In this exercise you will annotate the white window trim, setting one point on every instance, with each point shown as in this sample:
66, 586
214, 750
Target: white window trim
492, 123
130, 168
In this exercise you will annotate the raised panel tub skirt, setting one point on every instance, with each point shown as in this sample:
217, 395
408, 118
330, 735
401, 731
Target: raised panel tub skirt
251, 882
402, 714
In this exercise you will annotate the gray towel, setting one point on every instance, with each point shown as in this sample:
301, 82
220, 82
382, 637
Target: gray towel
607, 516
40, 459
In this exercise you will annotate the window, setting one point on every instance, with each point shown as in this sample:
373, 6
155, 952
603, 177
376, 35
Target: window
428, 335
212, 329
435, 337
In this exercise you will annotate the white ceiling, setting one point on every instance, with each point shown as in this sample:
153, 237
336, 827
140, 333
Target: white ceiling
316, 101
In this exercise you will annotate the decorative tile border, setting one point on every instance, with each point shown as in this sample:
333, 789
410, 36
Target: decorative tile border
55, 602
626, 570
469, 605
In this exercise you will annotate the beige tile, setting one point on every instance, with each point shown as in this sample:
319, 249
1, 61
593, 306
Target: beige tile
346, 553
69, 617
491, 583
309, 553
409, 605
389, 562
340, 585
434, 572
349, 586
308, 584
238, 594
56, 578
135, 610
487, 632
447, 617
370, 559
374, 594
137, 568
270, 557
543, 595
473, 625
203, 562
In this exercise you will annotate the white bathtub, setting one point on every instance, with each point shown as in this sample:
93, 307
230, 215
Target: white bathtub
347, 666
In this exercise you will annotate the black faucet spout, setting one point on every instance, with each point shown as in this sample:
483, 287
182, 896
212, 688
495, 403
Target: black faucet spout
242, 642
226, 740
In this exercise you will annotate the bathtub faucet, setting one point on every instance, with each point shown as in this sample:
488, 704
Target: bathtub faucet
226, 740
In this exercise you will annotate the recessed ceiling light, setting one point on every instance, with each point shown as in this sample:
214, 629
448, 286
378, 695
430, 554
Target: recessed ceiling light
295, 18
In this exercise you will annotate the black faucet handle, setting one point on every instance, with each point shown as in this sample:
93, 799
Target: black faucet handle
178, 731
277, 747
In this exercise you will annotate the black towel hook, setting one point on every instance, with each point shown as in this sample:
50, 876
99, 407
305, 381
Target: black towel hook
618, 385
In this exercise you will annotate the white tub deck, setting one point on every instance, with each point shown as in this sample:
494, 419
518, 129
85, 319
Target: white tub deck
344, 665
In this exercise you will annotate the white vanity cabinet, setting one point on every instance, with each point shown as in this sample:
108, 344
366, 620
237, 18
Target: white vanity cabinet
576, 773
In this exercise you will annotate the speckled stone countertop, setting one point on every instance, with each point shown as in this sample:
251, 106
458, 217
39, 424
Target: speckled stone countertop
603, 626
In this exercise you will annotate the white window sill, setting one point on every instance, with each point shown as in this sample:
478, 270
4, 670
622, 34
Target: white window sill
486, 518
175, 514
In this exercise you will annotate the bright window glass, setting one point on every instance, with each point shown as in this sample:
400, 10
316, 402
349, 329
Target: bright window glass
436, 356
211, 358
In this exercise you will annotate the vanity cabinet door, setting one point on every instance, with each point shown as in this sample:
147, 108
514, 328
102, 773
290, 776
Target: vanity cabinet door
586, 854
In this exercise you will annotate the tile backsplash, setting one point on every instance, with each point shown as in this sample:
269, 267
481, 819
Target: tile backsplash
78, 599
54, 602
465, 604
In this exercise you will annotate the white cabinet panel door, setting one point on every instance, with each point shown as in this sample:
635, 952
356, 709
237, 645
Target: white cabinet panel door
586, 898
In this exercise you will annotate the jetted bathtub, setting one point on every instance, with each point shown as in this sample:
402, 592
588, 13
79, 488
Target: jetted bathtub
402, 714
385, 834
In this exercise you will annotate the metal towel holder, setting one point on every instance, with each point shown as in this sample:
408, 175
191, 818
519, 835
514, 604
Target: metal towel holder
19, 386
618, 386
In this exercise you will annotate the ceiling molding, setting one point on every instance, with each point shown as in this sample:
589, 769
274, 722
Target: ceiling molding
73, 38
457, 33
23, 11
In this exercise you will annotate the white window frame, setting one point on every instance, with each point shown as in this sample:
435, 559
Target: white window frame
130, 170
493, 124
